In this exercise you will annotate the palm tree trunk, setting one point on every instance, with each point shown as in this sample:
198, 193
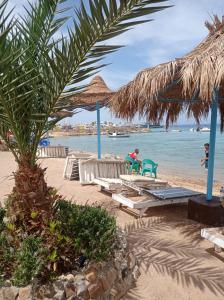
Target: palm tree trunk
31, 196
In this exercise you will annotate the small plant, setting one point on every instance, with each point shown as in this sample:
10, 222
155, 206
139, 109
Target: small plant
91, 228
2, 215
29, 261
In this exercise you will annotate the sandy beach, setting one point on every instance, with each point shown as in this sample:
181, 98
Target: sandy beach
176, 264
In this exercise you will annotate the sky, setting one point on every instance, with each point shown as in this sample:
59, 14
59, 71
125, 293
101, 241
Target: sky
172, 33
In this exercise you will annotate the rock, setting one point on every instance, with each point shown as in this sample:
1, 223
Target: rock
72, 298
91, 276
95, 290
60, 295
106, 283
70, 289
136, 273
58, 285
79, 277
9, 293
112, 275
69, 293
68, 277
45, 291
7, 283
114, 293
124, 272
81, 289
25, 293
131, 261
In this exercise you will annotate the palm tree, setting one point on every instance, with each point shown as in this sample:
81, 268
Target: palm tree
40, 67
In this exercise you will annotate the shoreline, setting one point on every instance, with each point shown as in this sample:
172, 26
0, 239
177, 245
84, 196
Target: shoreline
8, 163
60, 134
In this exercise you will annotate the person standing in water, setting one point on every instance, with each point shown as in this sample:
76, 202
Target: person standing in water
204, 161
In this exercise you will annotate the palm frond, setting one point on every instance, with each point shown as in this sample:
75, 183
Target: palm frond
40, 67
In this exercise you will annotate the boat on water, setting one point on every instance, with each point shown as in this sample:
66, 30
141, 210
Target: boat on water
176, 130
203, 129
118, 135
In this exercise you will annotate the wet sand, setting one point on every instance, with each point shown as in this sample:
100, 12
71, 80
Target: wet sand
176, 264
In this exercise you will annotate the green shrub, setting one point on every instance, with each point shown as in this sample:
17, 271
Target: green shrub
74, 233
2, 214
6, 257
29, 261
91, 229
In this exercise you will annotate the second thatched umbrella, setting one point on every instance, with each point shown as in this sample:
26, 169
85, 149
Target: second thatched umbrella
194, 84
94, 97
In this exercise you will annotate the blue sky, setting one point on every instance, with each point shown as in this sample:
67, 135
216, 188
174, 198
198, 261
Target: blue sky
173, 33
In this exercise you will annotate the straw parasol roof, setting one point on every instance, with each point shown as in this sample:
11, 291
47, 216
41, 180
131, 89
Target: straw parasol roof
96, 91
185, 84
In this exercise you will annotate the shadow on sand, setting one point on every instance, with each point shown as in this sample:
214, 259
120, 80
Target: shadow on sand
157, 244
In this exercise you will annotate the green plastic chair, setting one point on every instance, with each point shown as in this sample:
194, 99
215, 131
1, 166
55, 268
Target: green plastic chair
133, 164
149, 166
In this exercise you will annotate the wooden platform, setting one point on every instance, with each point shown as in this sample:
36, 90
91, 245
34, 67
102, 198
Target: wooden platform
215, 236
206, 212
145, 203
109, 184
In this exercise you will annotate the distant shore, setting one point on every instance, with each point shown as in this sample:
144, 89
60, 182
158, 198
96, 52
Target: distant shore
75, 133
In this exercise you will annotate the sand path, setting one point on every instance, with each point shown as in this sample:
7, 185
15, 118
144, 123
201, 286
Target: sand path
176, 264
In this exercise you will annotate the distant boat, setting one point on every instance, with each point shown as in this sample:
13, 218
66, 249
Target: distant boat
176, 130
205, 129
118, 135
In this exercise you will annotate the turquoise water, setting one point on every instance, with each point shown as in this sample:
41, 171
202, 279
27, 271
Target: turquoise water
178, 153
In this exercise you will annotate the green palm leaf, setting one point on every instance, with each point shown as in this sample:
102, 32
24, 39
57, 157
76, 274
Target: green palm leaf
40, 68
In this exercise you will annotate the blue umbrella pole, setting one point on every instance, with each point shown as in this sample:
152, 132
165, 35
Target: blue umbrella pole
211, 159
98, 130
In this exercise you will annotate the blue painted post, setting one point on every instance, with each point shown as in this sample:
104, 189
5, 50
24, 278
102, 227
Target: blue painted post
211, 158
98, 130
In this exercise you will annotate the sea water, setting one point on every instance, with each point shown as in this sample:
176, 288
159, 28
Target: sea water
177, 153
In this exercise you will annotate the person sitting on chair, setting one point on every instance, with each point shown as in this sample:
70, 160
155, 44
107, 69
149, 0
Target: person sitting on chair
134, 154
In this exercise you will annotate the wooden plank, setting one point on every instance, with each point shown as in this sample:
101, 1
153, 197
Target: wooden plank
146, 203
213, 235
123, 200
136, 178
108, 183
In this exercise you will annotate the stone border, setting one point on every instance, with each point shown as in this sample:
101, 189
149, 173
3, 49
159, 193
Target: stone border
98, 280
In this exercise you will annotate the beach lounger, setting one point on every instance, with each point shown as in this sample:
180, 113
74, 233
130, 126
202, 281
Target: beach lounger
144, 204
71, 170
100, 168
214, 235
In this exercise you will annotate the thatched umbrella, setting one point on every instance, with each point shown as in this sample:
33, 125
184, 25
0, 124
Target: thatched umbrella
96, 92
95, 96
193, 83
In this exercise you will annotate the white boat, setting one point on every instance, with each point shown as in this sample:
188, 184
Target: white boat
195, 129
176, 130
118, 135
205, 129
